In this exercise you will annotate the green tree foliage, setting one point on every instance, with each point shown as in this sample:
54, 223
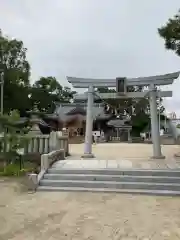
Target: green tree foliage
49, 84
18, 93
13, 138
16, 71
106, 90
47, 91
170, 32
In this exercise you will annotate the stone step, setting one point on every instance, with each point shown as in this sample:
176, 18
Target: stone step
108, 171
110, 190
115, 178
110, 184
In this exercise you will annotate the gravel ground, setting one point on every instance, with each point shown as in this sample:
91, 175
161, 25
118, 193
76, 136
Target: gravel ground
50, 216
80, 216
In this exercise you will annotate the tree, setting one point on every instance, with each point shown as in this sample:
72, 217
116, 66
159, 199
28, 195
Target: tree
67, 95
13, 138
170, 32
49, 84
16, 69
47, 91
105, 90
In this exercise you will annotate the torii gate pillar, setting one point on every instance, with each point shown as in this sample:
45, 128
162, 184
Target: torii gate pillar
155, 131
89, 124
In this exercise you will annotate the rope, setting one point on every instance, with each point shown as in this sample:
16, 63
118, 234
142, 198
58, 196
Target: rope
113, 106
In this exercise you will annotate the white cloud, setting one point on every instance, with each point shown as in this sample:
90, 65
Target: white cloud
93, 38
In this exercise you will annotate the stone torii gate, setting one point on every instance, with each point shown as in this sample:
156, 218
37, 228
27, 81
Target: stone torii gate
122, 83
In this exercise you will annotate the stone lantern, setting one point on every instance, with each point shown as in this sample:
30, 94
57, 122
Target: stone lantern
34, 119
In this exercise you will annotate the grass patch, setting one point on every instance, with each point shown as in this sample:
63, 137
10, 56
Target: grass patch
14, 169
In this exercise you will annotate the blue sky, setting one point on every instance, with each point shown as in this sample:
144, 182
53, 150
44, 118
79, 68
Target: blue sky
90, 38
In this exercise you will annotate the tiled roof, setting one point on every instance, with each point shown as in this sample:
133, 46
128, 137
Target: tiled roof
66, 110
51, 116
77, 110
118, 123
103, 116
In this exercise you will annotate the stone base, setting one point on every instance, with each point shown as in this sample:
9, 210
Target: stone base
87, 155
158, 157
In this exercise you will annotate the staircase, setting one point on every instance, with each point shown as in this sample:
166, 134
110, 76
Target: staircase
154, 182
173, 135
167, 139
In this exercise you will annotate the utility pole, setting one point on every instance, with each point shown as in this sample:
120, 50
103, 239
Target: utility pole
1, 75
2, 92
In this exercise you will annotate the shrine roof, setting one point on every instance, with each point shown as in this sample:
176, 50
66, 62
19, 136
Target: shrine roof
66, 111
119, 123
77, 110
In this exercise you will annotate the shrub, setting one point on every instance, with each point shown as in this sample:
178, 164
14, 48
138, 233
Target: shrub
13, 169
12, 138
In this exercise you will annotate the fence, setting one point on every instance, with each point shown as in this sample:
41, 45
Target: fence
63, 143
37, 144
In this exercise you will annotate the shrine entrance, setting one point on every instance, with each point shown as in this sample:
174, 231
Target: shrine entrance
121, 85
121, 131
120, 135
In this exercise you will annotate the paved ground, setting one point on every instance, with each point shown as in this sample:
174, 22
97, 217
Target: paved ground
86, 216
124, 155
124, 150
117, 164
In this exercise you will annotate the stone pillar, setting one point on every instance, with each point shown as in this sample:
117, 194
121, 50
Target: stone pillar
155, 135
89, 125
117, 134
53, 141
129, 135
